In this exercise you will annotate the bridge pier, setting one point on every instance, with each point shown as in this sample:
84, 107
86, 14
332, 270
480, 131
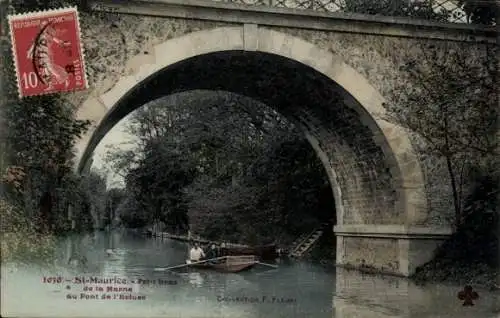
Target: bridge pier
391, 249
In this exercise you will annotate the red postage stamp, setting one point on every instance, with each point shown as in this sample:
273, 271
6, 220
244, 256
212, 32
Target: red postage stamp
47, 51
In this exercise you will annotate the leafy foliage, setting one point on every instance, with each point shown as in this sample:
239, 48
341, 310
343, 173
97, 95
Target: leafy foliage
471, 254
477, 238
37, 138
455, 118
41, 133
399, 8
131, 214
476, 11
480, 11
21, 6
114, 197
158, 179
248, 176
20, 240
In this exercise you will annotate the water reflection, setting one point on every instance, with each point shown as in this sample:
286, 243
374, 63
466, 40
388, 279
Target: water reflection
362, 295
295, 289
195, 279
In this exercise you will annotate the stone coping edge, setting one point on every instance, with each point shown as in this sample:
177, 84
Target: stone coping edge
303, 19
393, 231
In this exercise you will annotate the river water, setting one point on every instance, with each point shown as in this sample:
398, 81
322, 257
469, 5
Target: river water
294, 289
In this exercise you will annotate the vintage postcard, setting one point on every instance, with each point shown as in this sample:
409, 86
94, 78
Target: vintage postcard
205, 159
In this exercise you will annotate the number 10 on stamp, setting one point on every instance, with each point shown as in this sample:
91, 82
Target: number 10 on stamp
47, 51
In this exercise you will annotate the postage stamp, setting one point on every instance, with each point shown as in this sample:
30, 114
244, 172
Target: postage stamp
48, 53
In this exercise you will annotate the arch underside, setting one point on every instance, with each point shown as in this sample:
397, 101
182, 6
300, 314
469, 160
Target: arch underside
368, 178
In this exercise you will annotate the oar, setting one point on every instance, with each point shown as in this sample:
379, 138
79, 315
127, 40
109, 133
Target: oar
161, 269
266, 264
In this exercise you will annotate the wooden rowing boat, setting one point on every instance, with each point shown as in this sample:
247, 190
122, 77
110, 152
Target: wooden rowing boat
263, 251
226, 264
229, 264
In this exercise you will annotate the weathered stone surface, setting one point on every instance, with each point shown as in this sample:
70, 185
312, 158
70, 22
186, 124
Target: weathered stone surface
379, 59
114, 44
376, 253
111, 41
363, 171
375, 57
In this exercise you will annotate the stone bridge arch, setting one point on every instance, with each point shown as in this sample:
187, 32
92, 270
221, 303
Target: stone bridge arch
404, 200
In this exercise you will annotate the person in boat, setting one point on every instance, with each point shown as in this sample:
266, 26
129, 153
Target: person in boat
212, 252
222, 249
196, 253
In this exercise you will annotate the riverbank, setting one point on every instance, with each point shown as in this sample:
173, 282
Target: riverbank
469, 257
443, 268
193, 238
475, 274
478, 275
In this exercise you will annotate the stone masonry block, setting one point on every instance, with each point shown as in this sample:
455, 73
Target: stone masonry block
375, 253
123, 85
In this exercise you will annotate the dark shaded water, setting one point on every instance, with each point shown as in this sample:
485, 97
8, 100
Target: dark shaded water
299, 289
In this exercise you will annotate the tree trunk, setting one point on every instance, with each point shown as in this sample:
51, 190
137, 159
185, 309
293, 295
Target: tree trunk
460, 187
454, 189
449, 166
71, 217
27, 196
45, 208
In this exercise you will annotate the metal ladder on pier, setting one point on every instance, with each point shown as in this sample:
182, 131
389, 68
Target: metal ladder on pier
305, 242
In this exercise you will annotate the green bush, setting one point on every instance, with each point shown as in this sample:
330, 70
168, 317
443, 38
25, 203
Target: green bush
20, 242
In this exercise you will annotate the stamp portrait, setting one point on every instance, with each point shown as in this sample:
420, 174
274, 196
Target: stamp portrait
47, 52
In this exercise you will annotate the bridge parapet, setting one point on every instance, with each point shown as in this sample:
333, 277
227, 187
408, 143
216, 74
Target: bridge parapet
449, 7
237, 11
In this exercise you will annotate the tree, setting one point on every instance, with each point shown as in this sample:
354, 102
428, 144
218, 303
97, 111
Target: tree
93, 186
41, 135
114, 197
131, 214
449, 101
38, 136
401, 8
480, 11
157, 180
20, 6
248, 176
